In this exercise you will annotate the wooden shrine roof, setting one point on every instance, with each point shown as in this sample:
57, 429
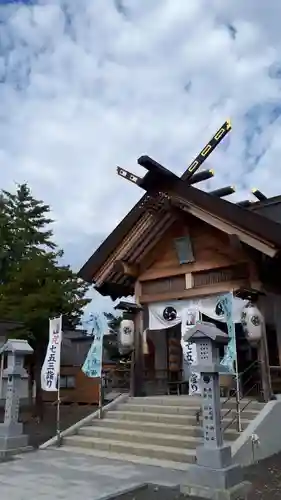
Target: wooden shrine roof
141, 230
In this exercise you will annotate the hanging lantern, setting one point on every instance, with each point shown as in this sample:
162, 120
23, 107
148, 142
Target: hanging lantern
252, 323
126, 333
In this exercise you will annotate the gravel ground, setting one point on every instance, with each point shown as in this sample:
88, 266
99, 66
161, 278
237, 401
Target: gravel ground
264, 476
266, 479
153, 492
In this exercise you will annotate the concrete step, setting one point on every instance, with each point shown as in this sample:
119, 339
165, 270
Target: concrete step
180, 410
167, 418
139, 449
192, 401
159, 428
134, 459
139, 436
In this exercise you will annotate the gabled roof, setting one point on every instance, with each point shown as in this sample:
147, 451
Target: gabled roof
114, 239
158, 177
254, 223
141, 229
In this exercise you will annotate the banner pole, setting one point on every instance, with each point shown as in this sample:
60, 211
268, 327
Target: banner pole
1, 374
100, 397
235, 360
58, 413
58, 392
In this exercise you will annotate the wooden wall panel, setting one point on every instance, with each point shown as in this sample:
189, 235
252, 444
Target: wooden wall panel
195, 280
211, 250
86, 389
202, 291
166, 254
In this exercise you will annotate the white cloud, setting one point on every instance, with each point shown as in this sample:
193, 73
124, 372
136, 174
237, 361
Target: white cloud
85, 86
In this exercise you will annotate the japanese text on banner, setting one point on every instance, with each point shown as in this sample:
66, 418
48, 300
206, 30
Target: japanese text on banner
51, 366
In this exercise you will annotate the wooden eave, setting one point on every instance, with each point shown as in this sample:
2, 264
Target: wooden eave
119, 284
245, 236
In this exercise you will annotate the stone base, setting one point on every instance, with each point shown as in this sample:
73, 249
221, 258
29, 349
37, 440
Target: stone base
9, 443
7, 455
216, 458
220, 478
238, 492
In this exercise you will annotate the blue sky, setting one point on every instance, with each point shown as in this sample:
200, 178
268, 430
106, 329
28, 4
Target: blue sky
86, 85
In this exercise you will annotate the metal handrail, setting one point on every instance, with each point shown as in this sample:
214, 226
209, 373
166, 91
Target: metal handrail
235, 394
256, 384
240, 409
239, 376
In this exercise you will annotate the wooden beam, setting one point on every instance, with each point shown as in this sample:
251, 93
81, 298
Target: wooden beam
207, 150
202, 176
152, 274
195, 292
135, 179
234, 242
221, 192
259, 195
245, 203
137, 381
264, 359
226, 227
127, 269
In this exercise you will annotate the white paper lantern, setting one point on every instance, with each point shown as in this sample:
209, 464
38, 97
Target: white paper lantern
126, 333
252, 323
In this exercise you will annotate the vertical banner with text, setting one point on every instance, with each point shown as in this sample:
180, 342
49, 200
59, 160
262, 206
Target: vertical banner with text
226, 302
190, 316
51, 367
92, 366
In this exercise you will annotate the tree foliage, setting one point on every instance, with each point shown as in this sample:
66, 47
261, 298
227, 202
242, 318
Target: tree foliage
34, 285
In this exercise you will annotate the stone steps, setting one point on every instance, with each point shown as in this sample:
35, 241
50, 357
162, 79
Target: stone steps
168, 418
162, 429
139, 436
191, 401
134, 459
155, 451
156, 427
248, 413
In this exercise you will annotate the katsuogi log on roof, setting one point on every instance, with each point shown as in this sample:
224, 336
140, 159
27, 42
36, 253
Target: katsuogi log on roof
114, 266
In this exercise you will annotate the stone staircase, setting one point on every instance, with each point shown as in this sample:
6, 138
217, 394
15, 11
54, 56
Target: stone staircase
160, 430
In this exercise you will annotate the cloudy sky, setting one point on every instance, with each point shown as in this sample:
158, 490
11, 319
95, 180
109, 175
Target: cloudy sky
89, 84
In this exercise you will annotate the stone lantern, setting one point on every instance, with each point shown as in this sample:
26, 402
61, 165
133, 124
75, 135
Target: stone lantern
11, 437
214, 475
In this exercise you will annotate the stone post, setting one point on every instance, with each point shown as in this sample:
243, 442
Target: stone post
11, 437
214, 475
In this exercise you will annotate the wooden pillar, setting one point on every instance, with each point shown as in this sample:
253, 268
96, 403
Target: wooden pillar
138, 361
277, 322
264, 359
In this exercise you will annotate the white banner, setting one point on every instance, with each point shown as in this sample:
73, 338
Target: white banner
51, 367
167, 314
189, 317
163, 315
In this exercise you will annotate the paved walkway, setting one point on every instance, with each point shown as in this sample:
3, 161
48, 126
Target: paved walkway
53, 475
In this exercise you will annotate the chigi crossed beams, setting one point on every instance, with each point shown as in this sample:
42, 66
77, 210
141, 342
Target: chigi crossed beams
156, 198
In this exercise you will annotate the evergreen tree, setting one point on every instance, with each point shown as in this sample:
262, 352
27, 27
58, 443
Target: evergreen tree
34, 286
